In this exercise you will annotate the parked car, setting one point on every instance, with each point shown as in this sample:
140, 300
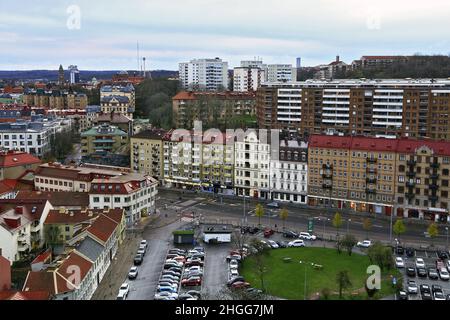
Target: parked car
402, 295
200, 249
172, 272
254, 230
412, 287
427, 296
237, 279
433, 273
133, 273
240, 285
420, 263
191, 282
165, 295
193, 274
123, 291
443, 255
234, 264
268, 233
364, 244
177, 251
307, 236
399, 250
176, 269
424, 288
195, 293
447, 297
166, 289
234, 273
436, 288
438, 295
273, 244
440, 264
138, 259
422, 272
410, 252
399, 262
144, 243
410, 272
282, 244
186, 296
443, 274
171, 277
167, 284
237, 257
296, 243
169, 281
290, 234
175, 262
194, 268
193, 263
273, 205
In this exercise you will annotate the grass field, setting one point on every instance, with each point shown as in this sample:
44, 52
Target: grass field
287, 279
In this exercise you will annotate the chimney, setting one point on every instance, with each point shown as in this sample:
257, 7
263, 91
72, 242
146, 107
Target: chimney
337, 58
19, 210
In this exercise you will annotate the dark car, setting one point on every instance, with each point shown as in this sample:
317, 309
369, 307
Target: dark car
411, 272
422, 272
426, 296
443, 255
436, 288
195, 293
410, 252
237, 279
399, 250
290, 234
425, 288
282, 244
268, 233
402, 295
433, 274
138, 259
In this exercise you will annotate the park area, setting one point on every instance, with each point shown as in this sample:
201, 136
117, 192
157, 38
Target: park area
284, 275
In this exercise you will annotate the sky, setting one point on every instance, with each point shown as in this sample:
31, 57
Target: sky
103, 35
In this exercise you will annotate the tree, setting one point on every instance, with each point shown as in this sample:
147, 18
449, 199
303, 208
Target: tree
52, 234
284, 213
367, 226
433, 231
239, 240
380, 255
348, 242
259, 212
260, 266
399, 228
337, 222
343, 281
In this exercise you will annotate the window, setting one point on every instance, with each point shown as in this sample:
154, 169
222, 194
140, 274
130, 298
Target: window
116, 199
96, 199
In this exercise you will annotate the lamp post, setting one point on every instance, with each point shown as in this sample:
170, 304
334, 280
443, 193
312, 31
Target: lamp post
306, 265
348, 225
446, 231
390, 229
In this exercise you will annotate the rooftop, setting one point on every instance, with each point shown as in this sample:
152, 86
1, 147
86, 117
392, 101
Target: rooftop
16, 158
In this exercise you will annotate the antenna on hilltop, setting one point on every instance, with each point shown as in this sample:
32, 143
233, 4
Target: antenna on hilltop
138, 57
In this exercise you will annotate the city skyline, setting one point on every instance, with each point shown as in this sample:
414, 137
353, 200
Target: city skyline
96, 37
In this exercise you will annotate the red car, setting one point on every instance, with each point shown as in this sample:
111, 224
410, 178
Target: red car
240, 285
268, 233
191, 282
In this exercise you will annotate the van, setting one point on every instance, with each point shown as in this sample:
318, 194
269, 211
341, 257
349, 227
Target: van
122, 296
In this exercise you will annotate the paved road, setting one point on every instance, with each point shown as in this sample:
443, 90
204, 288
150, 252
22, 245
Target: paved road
233, 209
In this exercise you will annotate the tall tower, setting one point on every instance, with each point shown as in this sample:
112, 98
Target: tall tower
61, 80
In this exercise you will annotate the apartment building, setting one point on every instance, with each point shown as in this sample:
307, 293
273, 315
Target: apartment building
118, 99
133, 192
147, 153
13, 164
54, 99
252, 166
331, 70
422, 180
376, 62
381, 108
204, 74
288, 180
22, 227
213, 109
355, 173
281, 73
103, 138
247, 79
32, 136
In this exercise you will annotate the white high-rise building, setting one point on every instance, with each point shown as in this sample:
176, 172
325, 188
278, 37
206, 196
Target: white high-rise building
247, 79
205, 74
281, 73
74, 74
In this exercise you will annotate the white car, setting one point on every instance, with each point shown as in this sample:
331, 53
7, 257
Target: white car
296, 243
174, 262
412, 287
443, 274
273, 244
307, 236
448, 265
143, 243
234, 273
234, 264
165, 295
364, 244
123, 291
132, 274
420, 263
194, 268
399, 262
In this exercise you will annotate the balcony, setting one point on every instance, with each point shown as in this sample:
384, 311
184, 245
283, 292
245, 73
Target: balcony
36, 228
371, 160
23, 246
327, 186
434, 176
371, 180
435, 165
411, 163
411, 174
371, 191
327, 166
433, 186
410, 184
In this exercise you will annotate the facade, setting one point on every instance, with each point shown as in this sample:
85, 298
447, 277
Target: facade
377, 62
115, 119
332, 70
32, 136
281, 73
13, 164
147, 153
204, 74
380, 108
22, 227
103, 138
74, 75
55, 99
213, 109
135, 193
289, 173
247, 79
118, 99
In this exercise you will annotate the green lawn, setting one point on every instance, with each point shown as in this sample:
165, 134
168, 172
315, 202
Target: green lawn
286, 280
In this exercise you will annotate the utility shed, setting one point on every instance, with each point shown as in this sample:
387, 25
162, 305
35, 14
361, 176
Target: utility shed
183, 237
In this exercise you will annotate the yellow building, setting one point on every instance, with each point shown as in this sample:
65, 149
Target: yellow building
147, 153
103, 138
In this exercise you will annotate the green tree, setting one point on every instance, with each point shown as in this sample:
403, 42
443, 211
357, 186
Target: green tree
380, 255
284, 213
337, 222
343, 281
260, 266
399, 228
348, 242
52, 234
367, 226
433, 231
259, 212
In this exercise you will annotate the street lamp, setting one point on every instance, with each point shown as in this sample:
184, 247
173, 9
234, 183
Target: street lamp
306, 265
446, 231
348, 225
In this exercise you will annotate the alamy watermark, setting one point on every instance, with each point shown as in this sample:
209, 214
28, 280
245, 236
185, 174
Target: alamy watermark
74, 17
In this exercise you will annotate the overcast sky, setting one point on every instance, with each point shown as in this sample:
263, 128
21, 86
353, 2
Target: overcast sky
42, 34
